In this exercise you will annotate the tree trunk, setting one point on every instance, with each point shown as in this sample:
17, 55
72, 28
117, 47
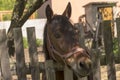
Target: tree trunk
18, 18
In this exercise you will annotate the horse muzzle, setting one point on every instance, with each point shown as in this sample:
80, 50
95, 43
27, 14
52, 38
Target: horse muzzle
80, 62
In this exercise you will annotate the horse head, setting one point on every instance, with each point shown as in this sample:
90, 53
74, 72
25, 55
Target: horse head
61, 42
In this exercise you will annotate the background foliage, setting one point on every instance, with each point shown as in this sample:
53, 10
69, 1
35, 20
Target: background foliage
9, 4
6, 4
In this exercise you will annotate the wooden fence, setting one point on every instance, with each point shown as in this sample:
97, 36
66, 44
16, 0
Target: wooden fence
110, 60
109, 54
35, 67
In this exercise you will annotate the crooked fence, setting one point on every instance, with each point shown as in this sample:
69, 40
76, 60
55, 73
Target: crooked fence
35, 68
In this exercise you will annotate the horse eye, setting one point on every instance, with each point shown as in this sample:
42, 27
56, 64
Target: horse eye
57, 35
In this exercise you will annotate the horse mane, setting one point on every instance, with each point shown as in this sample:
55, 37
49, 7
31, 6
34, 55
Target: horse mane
45, 50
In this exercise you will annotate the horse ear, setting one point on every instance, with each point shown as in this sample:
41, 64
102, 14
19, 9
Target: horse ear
49, 13
67, 11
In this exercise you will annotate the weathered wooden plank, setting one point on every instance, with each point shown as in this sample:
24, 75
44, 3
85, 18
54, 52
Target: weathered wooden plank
83, 78
81, 34
20, 58
108, 43
118, 35
33, 53
95, 55
57, 67
96, 73
5, 64
49, 70
81, 40
68, 74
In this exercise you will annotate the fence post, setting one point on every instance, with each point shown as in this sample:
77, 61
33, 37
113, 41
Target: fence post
118, 35
34, 65
81, 40
108, 43
4, 57
95, 55
81, 34
95, 74
49, 70
68, 74
19, 50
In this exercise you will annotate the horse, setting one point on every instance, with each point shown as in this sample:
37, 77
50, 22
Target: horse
61, 43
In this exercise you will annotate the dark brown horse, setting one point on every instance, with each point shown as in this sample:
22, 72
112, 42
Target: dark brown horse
61, 43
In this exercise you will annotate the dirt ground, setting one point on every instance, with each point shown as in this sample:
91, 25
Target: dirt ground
103, 68
104, 72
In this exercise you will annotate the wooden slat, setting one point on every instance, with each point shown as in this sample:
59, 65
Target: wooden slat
81, 34
5, 65
118, 35
83, 78
49, 70
108, 43
33, 53
20, 58
95, 55
68, 74
96, 73
81, 40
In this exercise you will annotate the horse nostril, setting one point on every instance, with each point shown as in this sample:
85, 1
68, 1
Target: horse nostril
82, 64
86, 65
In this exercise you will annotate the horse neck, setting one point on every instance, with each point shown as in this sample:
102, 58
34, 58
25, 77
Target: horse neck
46, 52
